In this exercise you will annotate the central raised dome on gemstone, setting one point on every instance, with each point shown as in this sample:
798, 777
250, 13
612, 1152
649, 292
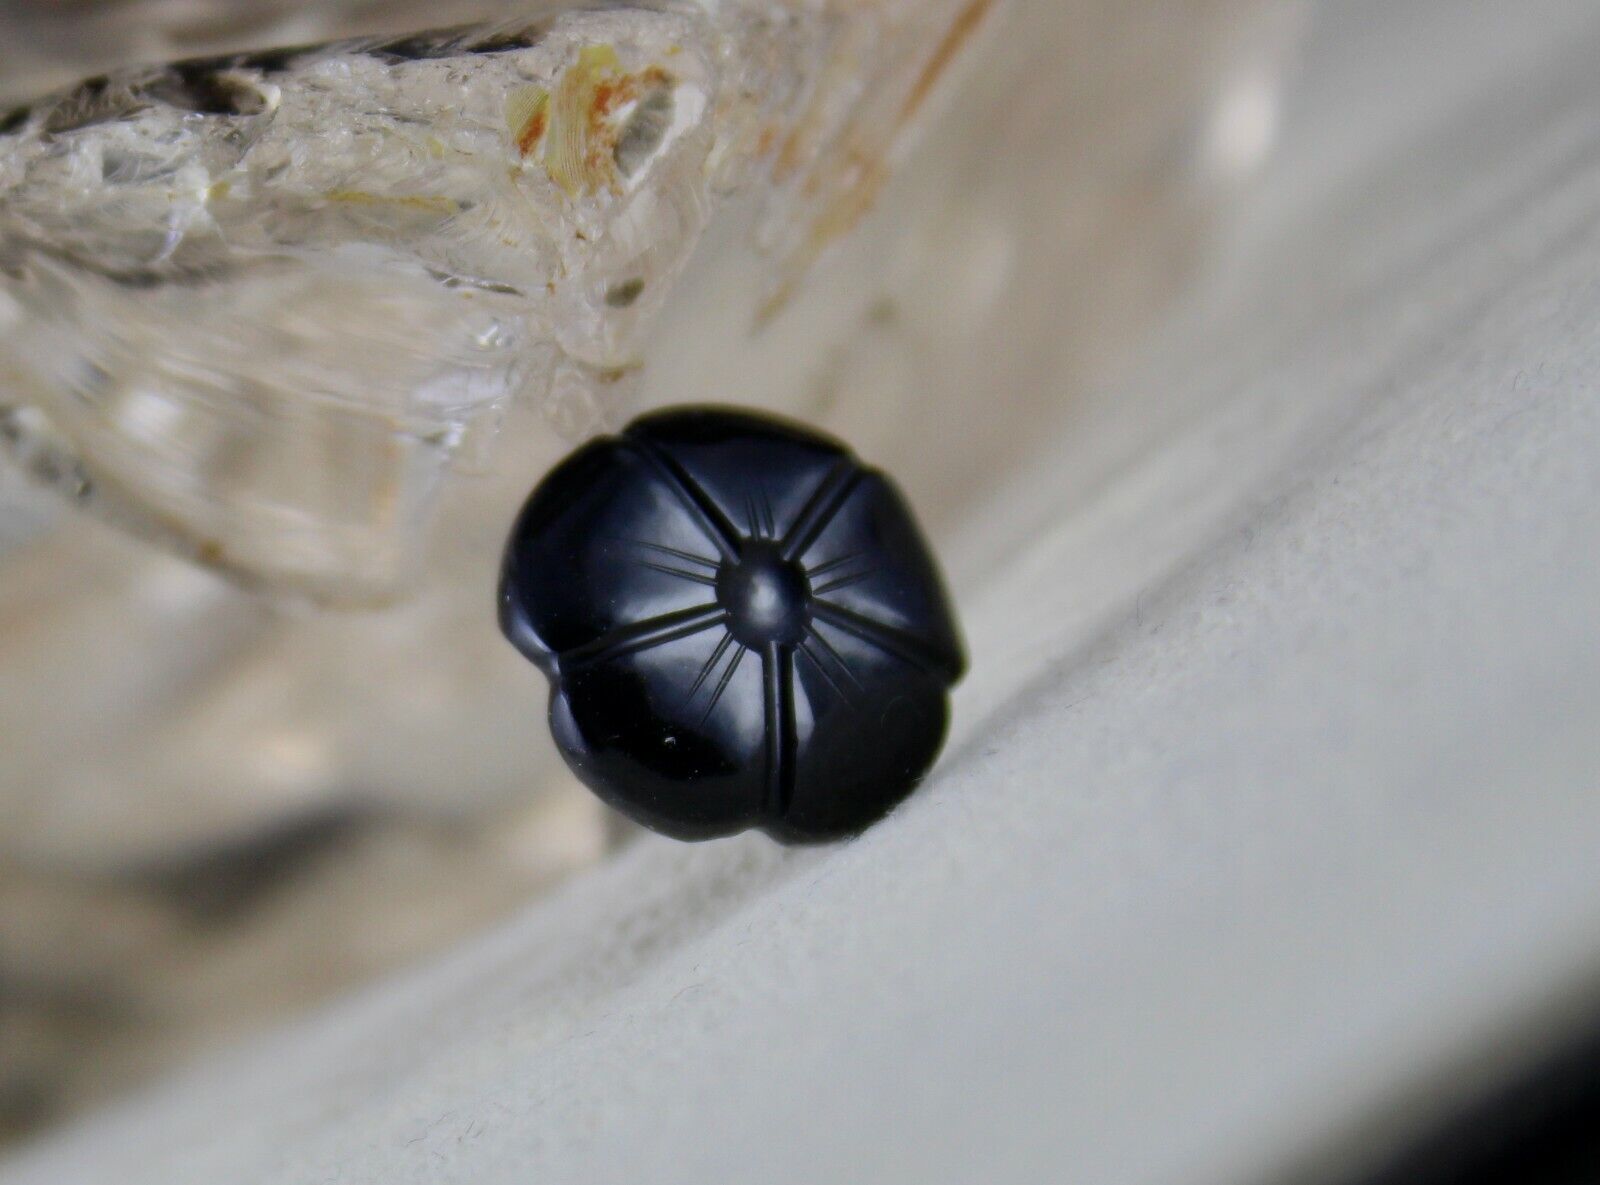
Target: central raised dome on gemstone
768, 597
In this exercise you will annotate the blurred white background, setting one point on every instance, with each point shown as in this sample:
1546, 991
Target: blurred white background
1268, 485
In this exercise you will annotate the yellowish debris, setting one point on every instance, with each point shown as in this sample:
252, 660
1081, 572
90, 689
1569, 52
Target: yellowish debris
428, 203
574, 132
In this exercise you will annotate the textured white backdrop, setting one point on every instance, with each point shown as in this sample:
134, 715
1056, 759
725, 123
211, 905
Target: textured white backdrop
1276, 798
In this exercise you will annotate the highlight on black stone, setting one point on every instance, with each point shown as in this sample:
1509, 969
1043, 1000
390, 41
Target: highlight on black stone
741, 623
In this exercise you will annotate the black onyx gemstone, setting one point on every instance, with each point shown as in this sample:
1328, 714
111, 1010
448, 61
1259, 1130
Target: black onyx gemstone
741, 624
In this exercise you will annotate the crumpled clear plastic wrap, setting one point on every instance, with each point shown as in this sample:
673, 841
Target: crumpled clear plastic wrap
254, 306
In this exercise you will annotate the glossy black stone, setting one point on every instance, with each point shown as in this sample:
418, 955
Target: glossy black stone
741, 624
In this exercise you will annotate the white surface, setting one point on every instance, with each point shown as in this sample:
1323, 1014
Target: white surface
1278, 785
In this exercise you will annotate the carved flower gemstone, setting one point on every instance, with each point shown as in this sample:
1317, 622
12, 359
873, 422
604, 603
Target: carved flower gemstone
741, 624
